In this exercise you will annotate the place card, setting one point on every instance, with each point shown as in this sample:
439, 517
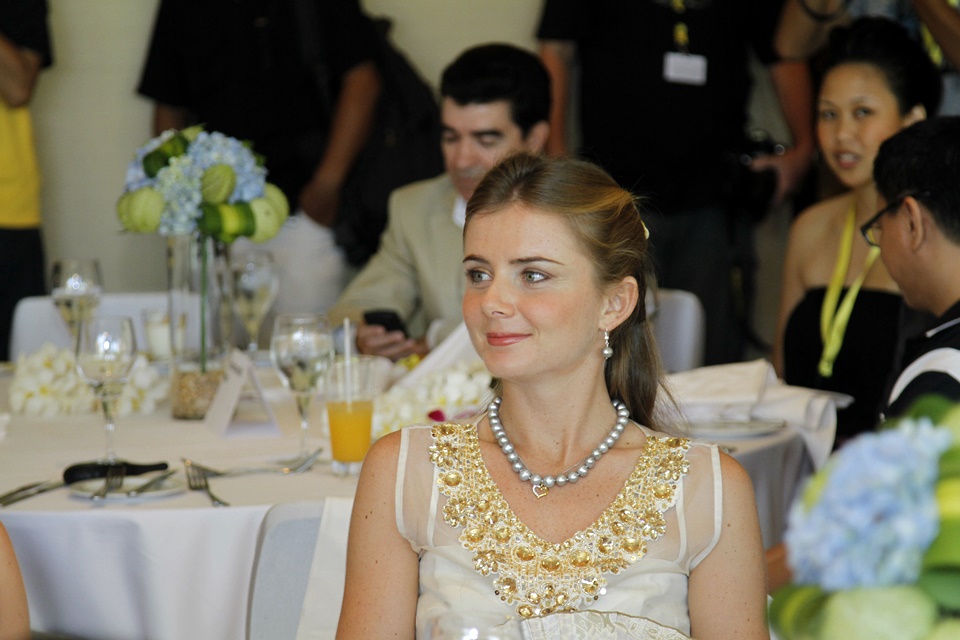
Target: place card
239, 408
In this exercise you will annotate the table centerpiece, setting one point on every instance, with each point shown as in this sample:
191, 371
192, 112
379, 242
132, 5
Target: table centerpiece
201, 190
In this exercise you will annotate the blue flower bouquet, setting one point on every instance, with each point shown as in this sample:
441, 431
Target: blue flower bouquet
874, 540
188, 181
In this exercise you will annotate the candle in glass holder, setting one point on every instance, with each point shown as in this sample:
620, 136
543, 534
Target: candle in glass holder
156, 326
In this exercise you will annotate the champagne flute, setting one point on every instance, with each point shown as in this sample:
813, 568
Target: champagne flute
106, 350
255, 284
76, 284
301, 350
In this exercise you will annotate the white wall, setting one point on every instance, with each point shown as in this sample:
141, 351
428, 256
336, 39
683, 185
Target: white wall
88, 122
89, 119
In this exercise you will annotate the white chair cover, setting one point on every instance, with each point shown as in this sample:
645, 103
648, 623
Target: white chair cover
36, 320
281, 570
678, 324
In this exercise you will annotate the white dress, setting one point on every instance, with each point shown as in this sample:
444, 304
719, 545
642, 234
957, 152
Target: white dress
634, 561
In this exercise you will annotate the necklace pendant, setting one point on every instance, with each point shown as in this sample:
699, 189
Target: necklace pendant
540, 490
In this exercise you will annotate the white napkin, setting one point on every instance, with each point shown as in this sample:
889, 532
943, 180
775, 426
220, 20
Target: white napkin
455, 348
722, 392
751, 391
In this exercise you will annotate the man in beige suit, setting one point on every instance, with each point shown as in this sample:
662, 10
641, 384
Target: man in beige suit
495, 101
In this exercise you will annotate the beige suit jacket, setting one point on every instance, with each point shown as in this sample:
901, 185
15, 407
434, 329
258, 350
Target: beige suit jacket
417, 271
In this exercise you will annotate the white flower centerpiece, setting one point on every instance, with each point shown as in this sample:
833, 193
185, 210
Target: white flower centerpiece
46, 384
453, 393
202, 190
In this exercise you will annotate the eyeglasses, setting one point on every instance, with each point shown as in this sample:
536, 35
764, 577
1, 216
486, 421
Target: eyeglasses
871, 227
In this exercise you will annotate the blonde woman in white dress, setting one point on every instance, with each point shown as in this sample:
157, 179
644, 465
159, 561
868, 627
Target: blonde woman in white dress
564, 505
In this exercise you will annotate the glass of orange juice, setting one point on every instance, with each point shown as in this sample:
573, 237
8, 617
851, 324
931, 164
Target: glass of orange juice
352, 385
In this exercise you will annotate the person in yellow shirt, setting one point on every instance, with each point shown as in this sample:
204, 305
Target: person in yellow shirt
24, 51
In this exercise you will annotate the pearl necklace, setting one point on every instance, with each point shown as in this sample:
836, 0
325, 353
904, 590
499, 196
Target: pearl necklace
542, 485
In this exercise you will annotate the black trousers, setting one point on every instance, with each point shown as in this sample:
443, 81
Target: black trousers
22, 271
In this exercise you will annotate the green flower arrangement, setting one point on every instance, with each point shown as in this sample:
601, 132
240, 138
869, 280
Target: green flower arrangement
202, 183
195, 181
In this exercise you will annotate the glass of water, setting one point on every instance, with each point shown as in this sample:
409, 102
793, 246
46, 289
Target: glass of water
301, 350
76, 285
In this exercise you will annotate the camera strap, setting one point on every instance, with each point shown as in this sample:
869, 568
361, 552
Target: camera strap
835, 314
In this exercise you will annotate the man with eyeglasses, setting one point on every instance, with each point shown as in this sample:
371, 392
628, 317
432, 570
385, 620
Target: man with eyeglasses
917, 173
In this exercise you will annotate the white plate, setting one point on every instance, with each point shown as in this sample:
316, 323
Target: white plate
168, 487
725, 429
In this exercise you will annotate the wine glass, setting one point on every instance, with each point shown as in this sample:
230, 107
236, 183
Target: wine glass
76, 284
106, 349
301, 350
255, 284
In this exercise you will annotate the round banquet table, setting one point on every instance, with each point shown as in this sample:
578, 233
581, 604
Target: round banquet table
154, 567
173, 566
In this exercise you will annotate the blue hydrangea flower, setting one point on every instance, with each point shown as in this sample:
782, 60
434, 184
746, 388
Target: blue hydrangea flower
179, 184
876, 513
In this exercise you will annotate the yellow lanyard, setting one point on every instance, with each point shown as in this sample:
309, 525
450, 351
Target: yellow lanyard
933, 49
681, 35
833, 316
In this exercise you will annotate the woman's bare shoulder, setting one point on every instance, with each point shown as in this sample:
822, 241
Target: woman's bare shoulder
821, 218
814, 234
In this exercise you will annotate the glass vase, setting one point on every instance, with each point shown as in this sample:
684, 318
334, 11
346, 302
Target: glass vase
199, 334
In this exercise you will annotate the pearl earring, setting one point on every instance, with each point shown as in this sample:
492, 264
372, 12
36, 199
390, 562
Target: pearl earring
607, 349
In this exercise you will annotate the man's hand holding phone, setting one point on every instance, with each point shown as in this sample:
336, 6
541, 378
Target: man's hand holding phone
384, 334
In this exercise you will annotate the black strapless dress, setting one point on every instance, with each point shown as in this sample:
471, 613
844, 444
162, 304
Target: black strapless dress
865, 359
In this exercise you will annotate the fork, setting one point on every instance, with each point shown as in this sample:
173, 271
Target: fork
197, 481
305, 465
112, 481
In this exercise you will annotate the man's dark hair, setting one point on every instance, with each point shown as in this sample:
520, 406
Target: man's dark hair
924, 159
492, 72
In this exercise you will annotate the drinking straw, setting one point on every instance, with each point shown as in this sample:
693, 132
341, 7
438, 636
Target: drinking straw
347, 357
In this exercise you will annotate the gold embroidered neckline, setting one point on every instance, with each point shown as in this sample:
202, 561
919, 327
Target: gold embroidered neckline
542, 577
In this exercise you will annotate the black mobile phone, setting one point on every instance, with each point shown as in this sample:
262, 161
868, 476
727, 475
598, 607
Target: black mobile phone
386, 318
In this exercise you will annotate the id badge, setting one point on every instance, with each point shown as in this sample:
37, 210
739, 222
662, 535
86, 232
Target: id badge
684, 68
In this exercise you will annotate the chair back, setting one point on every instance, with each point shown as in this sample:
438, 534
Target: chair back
679, 326
36, 320
281, 570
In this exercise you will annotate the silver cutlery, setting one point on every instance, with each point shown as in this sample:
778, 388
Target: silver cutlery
112, 481
79, 472
18, 490
35, 490
305, 465
197, 481
151, 484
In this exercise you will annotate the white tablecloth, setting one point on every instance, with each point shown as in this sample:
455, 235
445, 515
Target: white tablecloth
171, 567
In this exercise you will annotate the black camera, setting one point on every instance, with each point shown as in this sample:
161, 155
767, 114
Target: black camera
748, 192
